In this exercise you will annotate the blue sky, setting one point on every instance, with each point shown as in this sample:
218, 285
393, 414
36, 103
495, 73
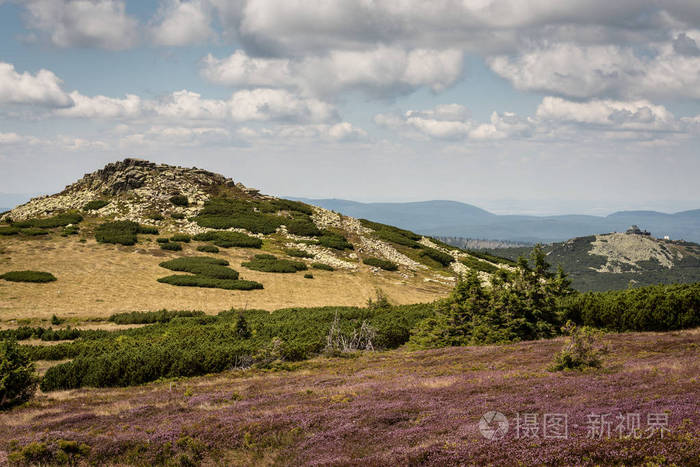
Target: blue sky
516, 106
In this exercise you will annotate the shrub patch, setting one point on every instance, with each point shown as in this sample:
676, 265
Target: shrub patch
28, 276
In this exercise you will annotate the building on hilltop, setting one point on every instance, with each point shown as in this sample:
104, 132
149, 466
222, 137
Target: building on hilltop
634, 230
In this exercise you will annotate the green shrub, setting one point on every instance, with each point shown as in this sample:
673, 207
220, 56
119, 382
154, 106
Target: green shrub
55, 320
581, 351
148, 230
270, 263
17, 378
652, 308
170, 246
95, 204
287, 205
229, 239
179, 200
308, 275
397, 237
9, 230
202, 265
181, 238
70, 230
437, 255
207, 249
297, 253
59, 220
478, 265
492, 258
150, 317
262, 223
121, 232
303, 227
177, 215
28, 276
209, 282
323, 267
381, 263
156, 216
162, 240
33, 231
335, 241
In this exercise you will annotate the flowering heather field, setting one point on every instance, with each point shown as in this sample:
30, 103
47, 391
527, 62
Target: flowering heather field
400, 408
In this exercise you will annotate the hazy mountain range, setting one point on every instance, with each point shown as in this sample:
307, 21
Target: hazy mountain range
452, 218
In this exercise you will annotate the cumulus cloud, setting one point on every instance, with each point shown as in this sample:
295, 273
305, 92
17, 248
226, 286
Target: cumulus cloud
102, 107
376, 70
83, 23
42, 88
181, 23
578, 71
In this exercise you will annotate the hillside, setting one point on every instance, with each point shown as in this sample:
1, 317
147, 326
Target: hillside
318, 257
619, 260
454, 219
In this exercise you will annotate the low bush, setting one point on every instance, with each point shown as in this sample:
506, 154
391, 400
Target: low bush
287, 205
59, 220
437, 255
207, 249
33, 231
177, 215
122, 232
170, 246
652, 308
9, 230
582, 350
28, 276
303, 227
181, 238
323, 267
396, 237
229, 239
381, 263
335, 241
156, 216
17, 374
478, 265
95, 204
179, 200
492, 258
70, 230
162, 240
209, 282
150, 317
297, 253
308, 275
202, 265
270, 263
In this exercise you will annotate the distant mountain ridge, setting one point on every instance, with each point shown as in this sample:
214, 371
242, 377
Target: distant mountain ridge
452, 218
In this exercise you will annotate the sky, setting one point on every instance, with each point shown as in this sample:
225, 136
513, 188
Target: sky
517, 106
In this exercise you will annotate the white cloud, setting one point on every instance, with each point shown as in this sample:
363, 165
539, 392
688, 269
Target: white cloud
102, 107
43, 88
379, 70
277, 104
609, 70
181, 23
10, 138
83, 23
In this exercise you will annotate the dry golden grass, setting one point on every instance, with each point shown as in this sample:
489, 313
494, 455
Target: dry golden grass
96, 280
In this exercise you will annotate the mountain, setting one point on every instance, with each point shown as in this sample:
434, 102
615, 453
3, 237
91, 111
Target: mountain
106, 238
454, 219
619, 260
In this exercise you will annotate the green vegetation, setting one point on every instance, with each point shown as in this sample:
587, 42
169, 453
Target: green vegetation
28, 276
95, 204
59, 220
63, 452
17, 376
156, 216
652, 308
171, 246
9, 230
33, 231
150, 317
581, 351
207, 249
229, 239
203, 344
323, 267
270, 263
207, 272
478, 265
70, 230
303, 227
308, 275
297, 253
162, 240
518, 306
334, 240
179, 200
177, 215
492, 258
437, 255
181, 238
393, 234
121, 232
381, 263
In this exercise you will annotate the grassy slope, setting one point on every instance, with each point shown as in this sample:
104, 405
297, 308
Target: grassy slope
96, 280
415, 407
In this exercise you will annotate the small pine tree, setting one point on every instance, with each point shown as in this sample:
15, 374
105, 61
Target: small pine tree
241, 328
17, 377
